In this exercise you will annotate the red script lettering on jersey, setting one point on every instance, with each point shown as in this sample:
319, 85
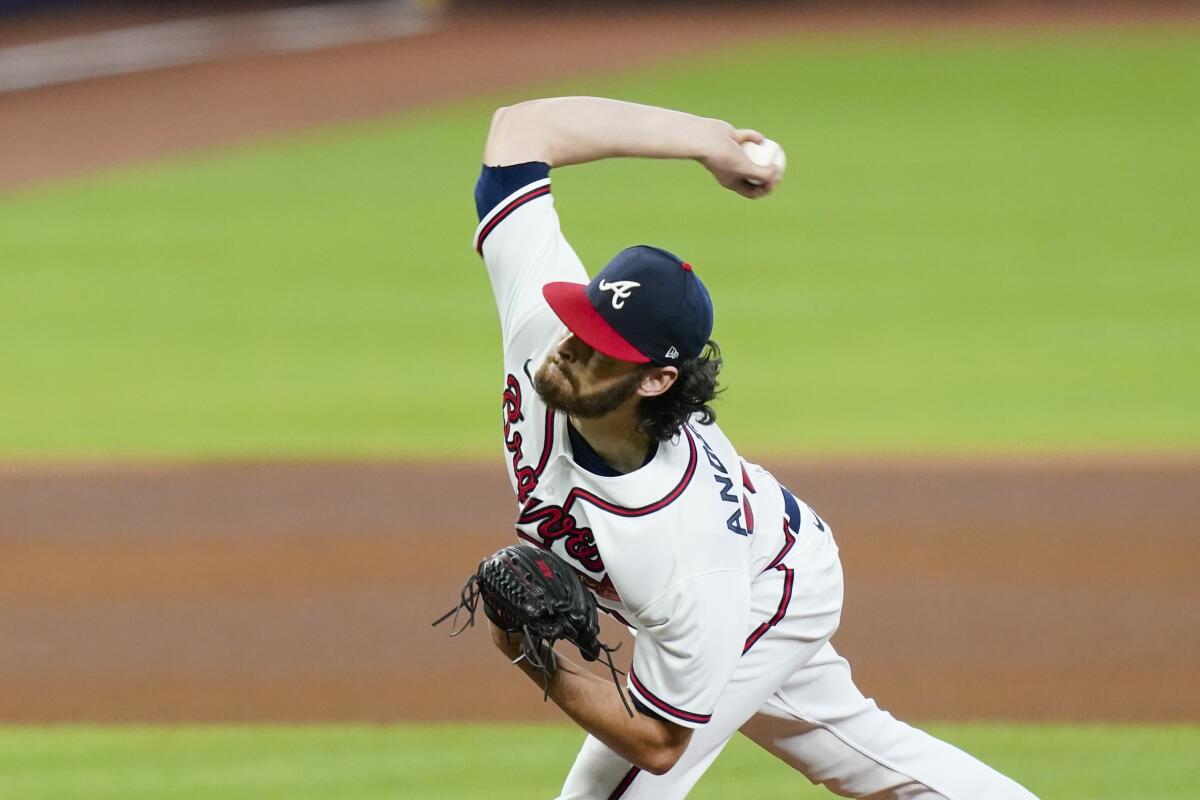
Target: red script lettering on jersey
553, 524
525, 475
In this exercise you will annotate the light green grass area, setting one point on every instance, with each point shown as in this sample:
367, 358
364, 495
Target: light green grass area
449, 762
982, 244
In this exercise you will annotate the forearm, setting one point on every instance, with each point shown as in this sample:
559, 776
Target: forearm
575, 130
593, 703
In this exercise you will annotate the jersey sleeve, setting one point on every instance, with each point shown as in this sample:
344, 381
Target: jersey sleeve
688, 646
522, 244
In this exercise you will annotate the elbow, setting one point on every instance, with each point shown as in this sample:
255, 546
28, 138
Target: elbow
498, 118
517, 134
510, 122
661, 750
660, 760
496, 130
517, 111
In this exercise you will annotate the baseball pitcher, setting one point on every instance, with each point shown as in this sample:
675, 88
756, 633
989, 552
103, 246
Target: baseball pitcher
731, 584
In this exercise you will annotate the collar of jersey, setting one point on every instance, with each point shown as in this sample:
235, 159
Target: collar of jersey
587, 458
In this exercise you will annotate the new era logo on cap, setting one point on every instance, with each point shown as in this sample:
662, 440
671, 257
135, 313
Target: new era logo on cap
669, 313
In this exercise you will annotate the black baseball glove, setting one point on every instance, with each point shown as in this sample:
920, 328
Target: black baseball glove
534, 593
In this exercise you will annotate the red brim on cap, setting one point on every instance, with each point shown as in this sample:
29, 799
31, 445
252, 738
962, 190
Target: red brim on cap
570, 302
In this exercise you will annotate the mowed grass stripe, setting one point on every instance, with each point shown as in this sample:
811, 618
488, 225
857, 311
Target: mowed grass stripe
1065, 762
982, 244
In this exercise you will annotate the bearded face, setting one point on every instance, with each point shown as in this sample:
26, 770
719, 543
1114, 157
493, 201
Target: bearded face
565, 389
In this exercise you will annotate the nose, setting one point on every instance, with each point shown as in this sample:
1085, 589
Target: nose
569, 348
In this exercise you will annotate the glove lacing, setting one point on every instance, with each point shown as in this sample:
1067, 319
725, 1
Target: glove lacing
532, 646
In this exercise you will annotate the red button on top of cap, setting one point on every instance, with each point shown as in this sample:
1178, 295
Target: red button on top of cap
686, 266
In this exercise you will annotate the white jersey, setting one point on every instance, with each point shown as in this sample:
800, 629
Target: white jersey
732, 585
670, 549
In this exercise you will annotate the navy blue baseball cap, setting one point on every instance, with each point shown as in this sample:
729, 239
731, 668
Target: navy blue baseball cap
645, 306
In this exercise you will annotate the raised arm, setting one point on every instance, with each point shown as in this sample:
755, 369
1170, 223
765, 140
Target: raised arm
574, 130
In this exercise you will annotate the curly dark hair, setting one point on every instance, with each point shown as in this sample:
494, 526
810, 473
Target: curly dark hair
696, 387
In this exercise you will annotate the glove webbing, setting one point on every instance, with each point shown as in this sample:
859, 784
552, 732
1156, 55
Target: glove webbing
532, 646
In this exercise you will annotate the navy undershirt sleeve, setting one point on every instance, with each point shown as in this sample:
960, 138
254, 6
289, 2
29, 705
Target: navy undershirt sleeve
497, 183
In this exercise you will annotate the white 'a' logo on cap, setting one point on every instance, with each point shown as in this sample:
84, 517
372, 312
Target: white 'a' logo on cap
620, 290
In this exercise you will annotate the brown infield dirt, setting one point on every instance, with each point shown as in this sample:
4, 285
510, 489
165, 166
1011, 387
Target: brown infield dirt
1049, 588
1025, 589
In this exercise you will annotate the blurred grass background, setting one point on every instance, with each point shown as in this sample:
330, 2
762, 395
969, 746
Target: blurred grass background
449, 762
984, 244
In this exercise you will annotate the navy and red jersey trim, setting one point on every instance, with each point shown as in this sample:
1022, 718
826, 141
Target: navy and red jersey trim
746, 480
495, 184
650, 508
666, 708
785, 600
791, 527
557, 522
499, 216
789, 576
789, 540
623, 786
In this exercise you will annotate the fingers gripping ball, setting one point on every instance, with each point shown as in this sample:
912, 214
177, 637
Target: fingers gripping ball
534, 593
766, 154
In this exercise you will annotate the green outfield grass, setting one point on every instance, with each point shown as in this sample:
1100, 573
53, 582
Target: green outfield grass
983, 244
500, 762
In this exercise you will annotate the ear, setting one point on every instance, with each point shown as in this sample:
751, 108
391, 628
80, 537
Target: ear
657, 381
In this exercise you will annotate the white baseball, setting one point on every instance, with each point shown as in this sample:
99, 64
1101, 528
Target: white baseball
765, 154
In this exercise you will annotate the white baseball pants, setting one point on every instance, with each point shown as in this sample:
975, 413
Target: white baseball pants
793, 695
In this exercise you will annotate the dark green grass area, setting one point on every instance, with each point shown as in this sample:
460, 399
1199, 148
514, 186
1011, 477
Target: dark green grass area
982, 244
449, 762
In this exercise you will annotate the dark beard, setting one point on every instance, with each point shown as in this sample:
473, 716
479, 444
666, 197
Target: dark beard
584, 406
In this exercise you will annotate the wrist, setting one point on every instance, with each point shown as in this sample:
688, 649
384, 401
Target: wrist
712, 139
507, 643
